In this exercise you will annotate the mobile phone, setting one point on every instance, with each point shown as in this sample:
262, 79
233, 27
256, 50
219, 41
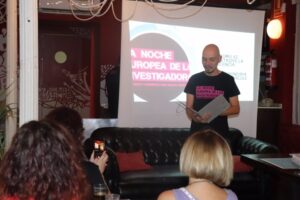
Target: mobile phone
99, 147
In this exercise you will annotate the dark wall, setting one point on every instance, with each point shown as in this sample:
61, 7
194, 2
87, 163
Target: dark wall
289, 135
106, 43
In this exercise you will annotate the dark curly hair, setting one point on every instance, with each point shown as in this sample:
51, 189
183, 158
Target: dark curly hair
70, 119
43, 163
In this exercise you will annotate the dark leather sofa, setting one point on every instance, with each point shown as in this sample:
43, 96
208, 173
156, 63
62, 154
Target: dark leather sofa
161, 149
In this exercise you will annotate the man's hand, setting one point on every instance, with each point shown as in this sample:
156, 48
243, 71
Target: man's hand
201, 118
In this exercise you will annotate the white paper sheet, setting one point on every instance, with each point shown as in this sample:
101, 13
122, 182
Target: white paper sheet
214, 107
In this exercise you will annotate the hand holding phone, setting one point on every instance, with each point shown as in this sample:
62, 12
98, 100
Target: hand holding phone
99, 147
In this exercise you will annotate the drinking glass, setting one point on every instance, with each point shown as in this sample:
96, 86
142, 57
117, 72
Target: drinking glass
99, 191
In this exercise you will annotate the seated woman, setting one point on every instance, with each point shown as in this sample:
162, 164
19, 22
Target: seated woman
43, 163
71, 120
206, 158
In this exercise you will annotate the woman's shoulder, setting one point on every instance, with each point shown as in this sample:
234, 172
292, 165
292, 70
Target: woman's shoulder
166, 195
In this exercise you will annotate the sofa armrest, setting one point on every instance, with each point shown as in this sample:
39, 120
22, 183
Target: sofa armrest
250, 145
233, 138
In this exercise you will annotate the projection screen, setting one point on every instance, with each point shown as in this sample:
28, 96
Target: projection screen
159, 53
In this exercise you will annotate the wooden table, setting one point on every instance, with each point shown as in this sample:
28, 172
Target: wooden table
277, 183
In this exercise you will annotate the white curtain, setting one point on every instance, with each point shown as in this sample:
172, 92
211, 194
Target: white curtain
296, 89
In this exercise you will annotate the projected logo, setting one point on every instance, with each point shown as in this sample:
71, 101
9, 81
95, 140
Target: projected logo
160, 68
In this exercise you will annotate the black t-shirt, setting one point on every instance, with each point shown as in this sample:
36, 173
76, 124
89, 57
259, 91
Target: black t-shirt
205, 88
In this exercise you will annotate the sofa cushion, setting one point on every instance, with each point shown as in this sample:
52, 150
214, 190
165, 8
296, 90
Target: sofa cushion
150, 183
158, 172
239, 166
133, 161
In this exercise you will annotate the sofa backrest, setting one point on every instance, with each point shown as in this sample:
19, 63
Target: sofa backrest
160, 146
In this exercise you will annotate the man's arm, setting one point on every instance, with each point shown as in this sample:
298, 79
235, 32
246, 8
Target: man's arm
234, 107
189, 106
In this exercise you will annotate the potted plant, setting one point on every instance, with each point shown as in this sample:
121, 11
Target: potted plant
5, 110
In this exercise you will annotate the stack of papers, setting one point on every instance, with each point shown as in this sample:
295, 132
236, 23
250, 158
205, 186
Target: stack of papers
296, 158
283, 163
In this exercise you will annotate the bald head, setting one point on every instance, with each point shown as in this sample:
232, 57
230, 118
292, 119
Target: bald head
210, 59
212, 48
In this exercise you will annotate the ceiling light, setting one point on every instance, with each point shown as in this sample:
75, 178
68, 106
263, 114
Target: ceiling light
274, 29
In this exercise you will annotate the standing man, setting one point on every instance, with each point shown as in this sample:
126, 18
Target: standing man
205, 86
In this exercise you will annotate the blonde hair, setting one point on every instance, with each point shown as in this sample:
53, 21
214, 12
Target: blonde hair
206, 154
